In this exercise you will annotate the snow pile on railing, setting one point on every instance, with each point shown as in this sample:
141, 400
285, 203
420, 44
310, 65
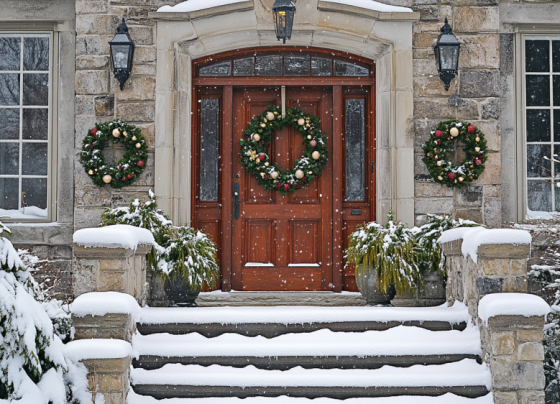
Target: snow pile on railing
102, 303
512, 304
474, 237
195, 5
117, 236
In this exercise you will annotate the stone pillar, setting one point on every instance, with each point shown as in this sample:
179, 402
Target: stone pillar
110, 378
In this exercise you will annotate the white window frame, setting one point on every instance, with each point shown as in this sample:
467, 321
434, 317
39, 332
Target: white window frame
52, 126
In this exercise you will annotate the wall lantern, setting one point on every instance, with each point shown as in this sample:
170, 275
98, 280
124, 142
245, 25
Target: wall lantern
446, 51
283, 11
122, 53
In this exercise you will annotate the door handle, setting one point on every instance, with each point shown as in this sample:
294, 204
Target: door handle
236, 200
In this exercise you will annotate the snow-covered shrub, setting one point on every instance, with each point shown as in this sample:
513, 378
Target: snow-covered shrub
178, 248
31, 355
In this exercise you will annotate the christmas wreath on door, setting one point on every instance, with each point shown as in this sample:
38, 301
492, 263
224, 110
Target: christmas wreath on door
256, 140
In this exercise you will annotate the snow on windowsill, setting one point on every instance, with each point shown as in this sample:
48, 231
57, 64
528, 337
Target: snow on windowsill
97, 349
474, 237
118, 236
512, 304
102, 303
195, 5
373, 5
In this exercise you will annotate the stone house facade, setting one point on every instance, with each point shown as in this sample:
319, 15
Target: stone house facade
409, 101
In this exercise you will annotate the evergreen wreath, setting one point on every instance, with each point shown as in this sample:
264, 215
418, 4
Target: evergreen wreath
126, 171
257, 138
439, 147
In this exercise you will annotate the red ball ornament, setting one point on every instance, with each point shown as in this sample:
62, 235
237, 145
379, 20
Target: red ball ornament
262, 157
478, 162
436, 158
123, 178
129, 176
451, 176
93, 131
471, 129
303, 179
298, 186
439, 133
286, 187
279, 185
140, 163
91, 146
439, 142
265, 177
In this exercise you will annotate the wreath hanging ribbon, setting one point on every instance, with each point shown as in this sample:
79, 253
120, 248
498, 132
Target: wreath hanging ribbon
439, 147
126, 171
256, 140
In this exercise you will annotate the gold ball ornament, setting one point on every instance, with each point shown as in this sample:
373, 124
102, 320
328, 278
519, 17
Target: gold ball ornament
266, 164
90, 172
263, 125
270, 116
134, 137
454, 132
138, 145
309, 137
440, 178
439, 163
107, 179
316, 155
299, 174
274, 175
301, 122
477, 149
125, 134
116, 133
477, 139
461, 179
256, 137
310, 172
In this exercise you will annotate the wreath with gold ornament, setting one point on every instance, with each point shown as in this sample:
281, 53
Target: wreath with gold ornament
441, 145
256, 141
126, 171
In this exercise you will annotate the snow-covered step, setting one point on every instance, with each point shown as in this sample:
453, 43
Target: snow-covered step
273, 321
465, 378
448, 398
399, 346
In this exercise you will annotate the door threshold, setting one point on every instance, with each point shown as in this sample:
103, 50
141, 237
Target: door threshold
257, 298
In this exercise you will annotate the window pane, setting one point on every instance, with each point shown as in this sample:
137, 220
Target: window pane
321, 67
296, 65
537, 56
269, 66
355, 150
539, 196
9, 158
34, 192
218, 69
35, 157
10, 50
35, 124
556, 90
36, 89
9, 89
557, 125
556, 56
538, 91
538, 125
244, 67
9, 123
9, 191
537, 165
36, 53
209, 149
349, 69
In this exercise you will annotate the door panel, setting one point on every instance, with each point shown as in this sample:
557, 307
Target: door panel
283, 242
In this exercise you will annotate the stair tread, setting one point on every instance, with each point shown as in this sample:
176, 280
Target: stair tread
463, 373
302, 315
448, 398
393, 342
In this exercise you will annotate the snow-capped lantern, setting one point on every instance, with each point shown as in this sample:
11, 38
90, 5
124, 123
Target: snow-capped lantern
284, 11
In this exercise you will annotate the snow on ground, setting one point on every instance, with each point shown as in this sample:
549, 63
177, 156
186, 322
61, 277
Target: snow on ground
512, 304
117, 236
448, 398
463, 373
395, 341
302, 314
101, 303
373, 5
97, 349
195, 5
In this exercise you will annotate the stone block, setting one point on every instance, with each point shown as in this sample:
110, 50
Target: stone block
492, 170
142, 35
531, 397
58, 252
490, 108
516, 322
94, 24
144, 70
511, 251
110, 382
486, 285
92, 6
105, 105
87, 217
425, 67
433, 205
427, 190
88, 45
530, 335
530, 351
84, 105
480, 83
502, 343
471, 195
433, 12
432, 86
92, 82
517, 375
85, 276
117, 365
474, 214
136, 111
102, 253
453, 248
116, 326
479, 51
505, 397
516, 284
476, 19
115, 397
138, 89
144, 54
494, 267
468, 110
92, 62
519, 267
434, 108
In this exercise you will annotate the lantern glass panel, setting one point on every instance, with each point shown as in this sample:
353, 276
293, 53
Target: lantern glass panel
449, 57
120, 56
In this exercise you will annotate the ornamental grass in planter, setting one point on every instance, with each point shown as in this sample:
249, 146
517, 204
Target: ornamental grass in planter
184, 258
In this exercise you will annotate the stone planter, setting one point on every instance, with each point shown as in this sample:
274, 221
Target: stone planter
431, 293
179, 292
367, 285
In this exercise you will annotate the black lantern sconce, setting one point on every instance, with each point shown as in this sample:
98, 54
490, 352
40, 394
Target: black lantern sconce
446, 51
122, 53
283, 11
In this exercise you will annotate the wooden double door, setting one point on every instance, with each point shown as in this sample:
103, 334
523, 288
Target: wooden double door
274, 242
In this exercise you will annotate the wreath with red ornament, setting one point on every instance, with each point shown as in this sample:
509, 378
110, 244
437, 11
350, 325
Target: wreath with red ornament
256, 140
126, 171
440, 147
